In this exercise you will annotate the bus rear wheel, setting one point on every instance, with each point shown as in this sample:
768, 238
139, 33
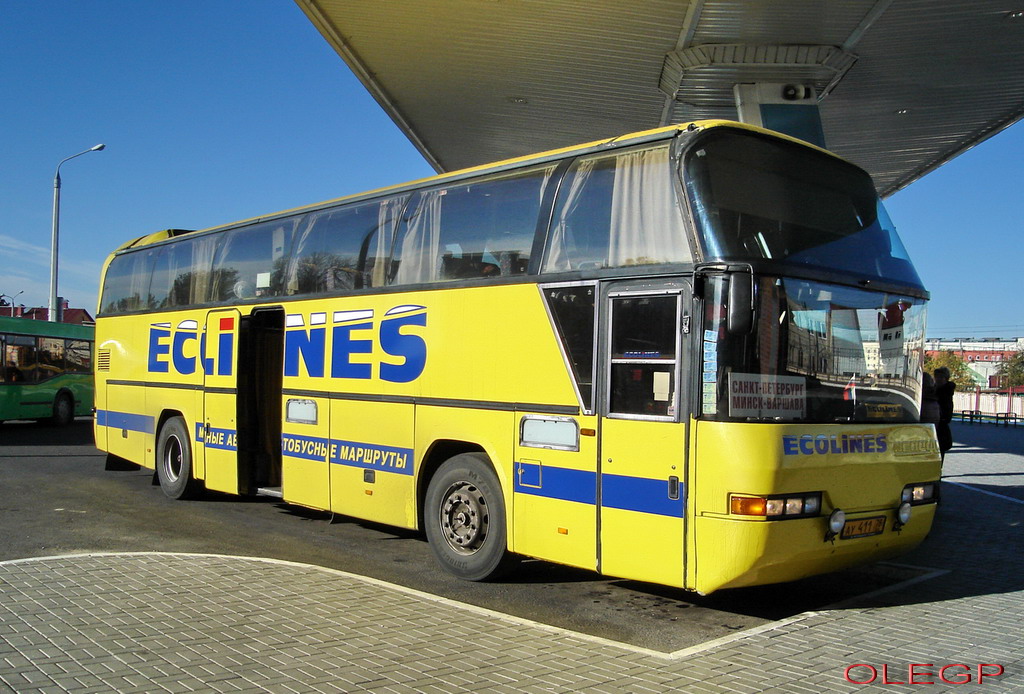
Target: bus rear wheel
63, 409
465, 519
174, 460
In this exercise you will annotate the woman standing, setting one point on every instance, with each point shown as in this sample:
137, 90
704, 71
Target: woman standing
944, 389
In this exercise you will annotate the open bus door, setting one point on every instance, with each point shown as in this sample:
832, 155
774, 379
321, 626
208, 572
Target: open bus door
218, 431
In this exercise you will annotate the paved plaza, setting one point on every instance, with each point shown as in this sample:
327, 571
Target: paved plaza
184, 623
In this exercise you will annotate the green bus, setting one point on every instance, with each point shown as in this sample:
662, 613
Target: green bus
46, 372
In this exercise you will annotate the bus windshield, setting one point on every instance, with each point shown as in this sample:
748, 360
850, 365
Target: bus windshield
759, 198
819, 353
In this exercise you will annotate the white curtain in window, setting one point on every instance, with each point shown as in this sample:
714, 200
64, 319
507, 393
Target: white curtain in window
225, 275
420, 254
140, 280
561, 247
301, 247
203, 250
646, 223
388, 217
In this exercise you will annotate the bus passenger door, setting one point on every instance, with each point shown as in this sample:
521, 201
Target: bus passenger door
643, 432
218, 432
260, 375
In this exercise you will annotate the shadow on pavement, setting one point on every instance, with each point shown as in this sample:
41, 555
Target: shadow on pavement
987, 438
30, 433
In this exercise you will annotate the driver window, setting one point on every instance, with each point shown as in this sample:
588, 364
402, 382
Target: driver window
644, 345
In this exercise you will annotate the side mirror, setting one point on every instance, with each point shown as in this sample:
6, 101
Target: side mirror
740, 317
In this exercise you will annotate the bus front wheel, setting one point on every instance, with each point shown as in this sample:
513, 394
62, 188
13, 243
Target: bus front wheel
174, 460
465, 519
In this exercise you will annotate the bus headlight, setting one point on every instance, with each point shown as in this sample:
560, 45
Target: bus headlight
777, 507
837, 521
902, 515
920, 493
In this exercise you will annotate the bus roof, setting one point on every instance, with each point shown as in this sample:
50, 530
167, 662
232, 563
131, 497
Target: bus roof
44, 328
555, 154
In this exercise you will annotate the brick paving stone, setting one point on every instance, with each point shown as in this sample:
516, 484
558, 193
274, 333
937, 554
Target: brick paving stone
125, 623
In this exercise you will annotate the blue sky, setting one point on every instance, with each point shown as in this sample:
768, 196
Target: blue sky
218, 111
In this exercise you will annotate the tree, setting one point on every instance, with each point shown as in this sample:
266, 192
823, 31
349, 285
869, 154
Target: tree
959, 372
1011, 371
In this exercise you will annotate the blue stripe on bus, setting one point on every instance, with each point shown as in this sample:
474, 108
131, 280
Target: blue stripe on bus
556, 483
212, 437
305, 447
619, 492
368, 456
640, 494
372, 456
125, 420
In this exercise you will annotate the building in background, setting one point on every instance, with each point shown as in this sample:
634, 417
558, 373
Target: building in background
77, 316
983, 355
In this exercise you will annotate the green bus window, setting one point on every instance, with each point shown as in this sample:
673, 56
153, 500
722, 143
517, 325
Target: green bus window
51, 357
484, 228
78, 356
22, 360
617, 210
250, 261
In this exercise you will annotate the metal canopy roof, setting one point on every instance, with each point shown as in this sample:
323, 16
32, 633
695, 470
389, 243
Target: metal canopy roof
903, 85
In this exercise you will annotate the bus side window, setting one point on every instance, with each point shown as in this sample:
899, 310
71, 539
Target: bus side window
21, 358
127, 281
51, 357
617, 210
329, 248
573, 310
250, 259
484, 228
78, 356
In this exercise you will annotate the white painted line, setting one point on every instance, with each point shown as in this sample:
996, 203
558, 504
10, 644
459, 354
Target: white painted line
984, 491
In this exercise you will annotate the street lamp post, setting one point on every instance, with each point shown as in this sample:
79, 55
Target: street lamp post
56, 226
12, 298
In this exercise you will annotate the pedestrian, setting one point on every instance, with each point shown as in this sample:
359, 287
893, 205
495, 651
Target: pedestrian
944, 394
929, 402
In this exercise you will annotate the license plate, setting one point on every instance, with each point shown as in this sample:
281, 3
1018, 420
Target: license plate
863, 527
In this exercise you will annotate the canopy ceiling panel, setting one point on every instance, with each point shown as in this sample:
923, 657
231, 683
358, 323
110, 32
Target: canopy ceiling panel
903, 85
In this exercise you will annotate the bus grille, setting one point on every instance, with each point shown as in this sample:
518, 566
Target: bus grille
103, 360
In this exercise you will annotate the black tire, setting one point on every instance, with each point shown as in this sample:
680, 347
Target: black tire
464, 515
63, 409
174, 460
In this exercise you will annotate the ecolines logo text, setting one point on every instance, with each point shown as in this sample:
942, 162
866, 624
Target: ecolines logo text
185, 348
310, 345
352, 334
840, 444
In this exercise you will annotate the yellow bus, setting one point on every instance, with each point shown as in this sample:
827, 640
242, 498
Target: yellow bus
689, 356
